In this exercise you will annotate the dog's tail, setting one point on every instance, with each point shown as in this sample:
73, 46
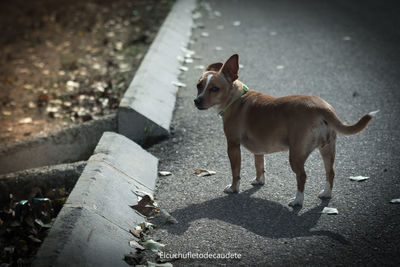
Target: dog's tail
339, 126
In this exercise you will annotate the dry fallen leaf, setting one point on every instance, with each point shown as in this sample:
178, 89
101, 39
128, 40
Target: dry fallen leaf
165, 264
146, 226
236, 23
164, 173
25, 120
145, 206
201, 172
136, 232
330, 211
134, 244
179, 84
395, 201
188, 60
358, 178
196, 15
183, 68
152, 245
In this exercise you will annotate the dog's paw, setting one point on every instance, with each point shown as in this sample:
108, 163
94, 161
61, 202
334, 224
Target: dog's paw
260, 181
229, 190
325, 193
298, 200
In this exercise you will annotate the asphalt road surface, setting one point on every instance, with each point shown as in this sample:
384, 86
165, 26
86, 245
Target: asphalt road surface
348, 53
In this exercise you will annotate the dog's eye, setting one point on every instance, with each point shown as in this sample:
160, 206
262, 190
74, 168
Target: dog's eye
199, 86
214, 89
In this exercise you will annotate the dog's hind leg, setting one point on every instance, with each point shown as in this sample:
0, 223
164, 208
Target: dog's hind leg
328, 152
297, 158
260, 170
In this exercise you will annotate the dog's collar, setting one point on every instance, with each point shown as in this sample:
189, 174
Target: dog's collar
245, 89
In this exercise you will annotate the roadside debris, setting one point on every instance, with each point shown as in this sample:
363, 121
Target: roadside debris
330, 211
202, 173
136, 232
165, 264
183, 68
179, 84
164, 173
152, 245
395, 201
25, 223
358, 178
146, 206
134, 244
236, 23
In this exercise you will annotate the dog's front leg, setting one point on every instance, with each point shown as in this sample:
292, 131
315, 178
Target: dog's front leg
234, 157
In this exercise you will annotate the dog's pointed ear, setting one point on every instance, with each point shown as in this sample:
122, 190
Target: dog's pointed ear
214, 67
231, 68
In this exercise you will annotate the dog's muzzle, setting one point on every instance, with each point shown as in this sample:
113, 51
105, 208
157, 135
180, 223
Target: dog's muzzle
198, 102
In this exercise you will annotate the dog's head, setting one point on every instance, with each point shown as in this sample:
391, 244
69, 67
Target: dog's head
215, 84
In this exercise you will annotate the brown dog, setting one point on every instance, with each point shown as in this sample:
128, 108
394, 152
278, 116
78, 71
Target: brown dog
265, 124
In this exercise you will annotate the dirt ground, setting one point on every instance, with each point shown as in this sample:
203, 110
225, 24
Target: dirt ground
69, 61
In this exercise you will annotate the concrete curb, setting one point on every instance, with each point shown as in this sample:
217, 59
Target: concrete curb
21, 183
92, 228
72, 144
146, 110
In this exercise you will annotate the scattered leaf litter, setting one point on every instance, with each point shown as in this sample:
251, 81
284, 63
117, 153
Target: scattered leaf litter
152, 245
188, 60
358, 178
236, 23
330, 211
134, 244
179, 84
196, 15
164, 173
25, 120
202, 173
165, 264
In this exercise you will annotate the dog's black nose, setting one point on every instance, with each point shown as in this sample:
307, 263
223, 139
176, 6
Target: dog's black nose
198, 102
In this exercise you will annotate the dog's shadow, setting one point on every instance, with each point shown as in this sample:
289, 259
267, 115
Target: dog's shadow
260, 216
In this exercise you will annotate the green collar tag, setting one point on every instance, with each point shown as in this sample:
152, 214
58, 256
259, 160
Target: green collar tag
245, 89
